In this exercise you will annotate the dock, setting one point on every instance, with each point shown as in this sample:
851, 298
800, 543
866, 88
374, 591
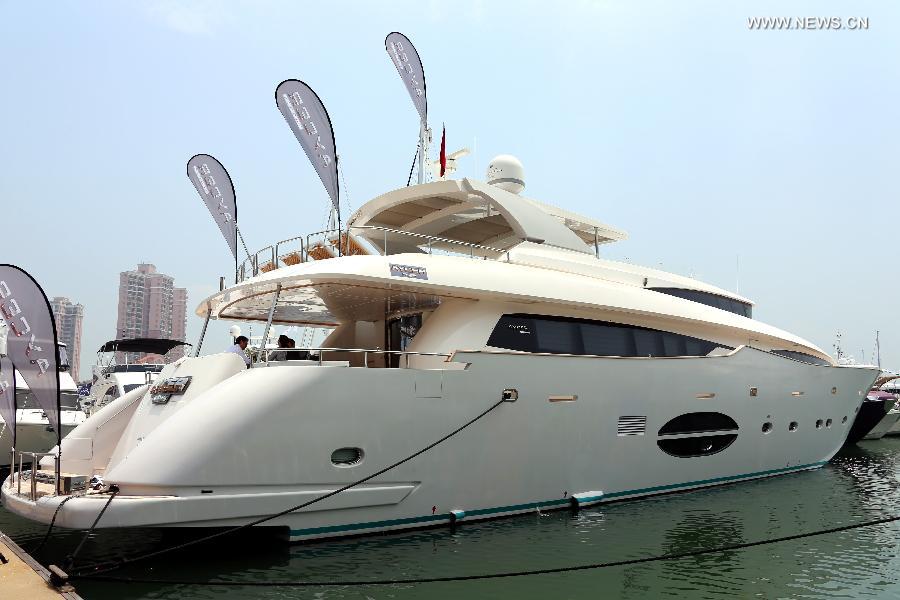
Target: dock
23, 577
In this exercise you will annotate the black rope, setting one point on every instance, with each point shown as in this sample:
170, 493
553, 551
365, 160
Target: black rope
507, 574
52, 522
106, 567
411, 167
70, 561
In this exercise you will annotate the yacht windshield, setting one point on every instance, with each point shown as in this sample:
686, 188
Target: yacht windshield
67, 400
733, 306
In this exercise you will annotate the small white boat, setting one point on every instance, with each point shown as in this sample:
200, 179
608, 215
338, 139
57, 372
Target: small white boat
33, 430
113, 379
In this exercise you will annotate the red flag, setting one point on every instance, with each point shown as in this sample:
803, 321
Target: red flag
443, 150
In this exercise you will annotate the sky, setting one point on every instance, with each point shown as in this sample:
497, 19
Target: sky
764, 161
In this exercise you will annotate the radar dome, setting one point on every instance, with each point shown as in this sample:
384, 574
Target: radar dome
507, 173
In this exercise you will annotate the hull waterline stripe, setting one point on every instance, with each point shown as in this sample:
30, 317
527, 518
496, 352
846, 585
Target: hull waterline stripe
560, 502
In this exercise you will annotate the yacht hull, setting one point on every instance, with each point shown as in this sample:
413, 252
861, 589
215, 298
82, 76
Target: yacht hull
583, 429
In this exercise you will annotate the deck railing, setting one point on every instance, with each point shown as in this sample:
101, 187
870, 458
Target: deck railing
324, 244
318, 354
17, 470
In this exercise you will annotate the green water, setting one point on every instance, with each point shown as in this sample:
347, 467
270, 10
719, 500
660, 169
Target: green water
861, 483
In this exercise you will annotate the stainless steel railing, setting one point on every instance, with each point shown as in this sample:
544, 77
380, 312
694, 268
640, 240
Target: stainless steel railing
297, 249
17, 470
319, 353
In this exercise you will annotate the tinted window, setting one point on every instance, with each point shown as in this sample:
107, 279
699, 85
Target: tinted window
25, 399
131, 386
560, 335
802, 357
733, 306
514, 332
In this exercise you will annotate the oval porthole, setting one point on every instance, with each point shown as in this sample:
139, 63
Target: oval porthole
828, 423
766, 427
844, 420
698, 422
689, 447
793, 426
819, 424
678, 437
346, 457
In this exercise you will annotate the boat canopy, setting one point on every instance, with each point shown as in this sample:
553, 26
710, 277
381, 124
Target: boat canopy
476, 213
148, 345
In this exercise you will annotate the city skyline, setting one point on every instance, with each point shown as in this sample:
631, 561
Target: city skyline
69, 319
150, 306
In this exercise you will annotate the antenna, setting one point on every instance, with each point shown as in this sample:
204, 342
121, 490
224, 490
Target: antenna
877, 350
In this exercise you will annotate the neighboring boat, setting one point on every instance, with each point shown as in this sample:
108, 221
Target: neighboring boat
113, 379
873, 410
889, 420
621, 381
33, 430
889, 382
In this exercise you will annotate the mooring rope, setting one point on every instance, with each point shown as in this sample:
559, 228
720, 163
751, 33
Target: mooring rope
70, 560
52, 522
95, 569
500, 575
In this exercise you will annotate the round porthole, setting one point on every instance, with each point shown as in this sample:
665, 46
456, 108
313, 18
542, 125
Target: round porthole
844, 420
793, 426
819, 424
767, 427
346, 457
828, 423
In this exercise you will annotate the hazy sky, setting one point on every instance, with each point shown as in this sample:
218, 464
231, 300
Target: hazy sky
671, 120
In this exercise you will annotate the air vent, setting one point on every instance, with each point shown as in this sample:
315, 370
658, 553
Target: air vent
632, 425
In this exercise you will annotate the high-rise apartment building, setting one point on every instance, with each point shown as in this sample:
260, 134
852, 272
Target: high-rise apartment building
150, 306
68, 318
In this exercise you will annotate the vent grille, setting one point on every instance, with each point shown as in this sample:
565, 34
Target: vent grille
632, 425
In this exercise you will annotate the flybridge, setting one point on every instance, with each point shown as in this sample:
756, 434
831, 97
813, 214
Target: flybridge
463, 217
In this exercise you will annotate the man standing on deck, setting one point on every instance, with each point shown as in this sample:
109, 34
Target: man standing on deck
240, 347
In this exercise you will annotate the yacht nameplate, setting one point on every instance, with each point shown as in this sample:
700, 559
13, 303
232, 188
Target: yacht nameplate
409, 271
163, 391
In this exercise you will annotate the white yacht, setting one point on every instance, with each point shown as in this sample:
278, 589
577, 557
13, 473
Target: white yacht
33, 430
622, 382
113, 379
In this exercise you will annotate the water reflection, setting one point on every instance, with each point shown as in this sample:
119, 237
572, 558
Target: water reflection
860, 484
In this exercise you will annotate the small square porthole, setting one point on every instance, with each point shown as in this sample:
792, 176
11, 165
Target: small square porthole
754, 392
